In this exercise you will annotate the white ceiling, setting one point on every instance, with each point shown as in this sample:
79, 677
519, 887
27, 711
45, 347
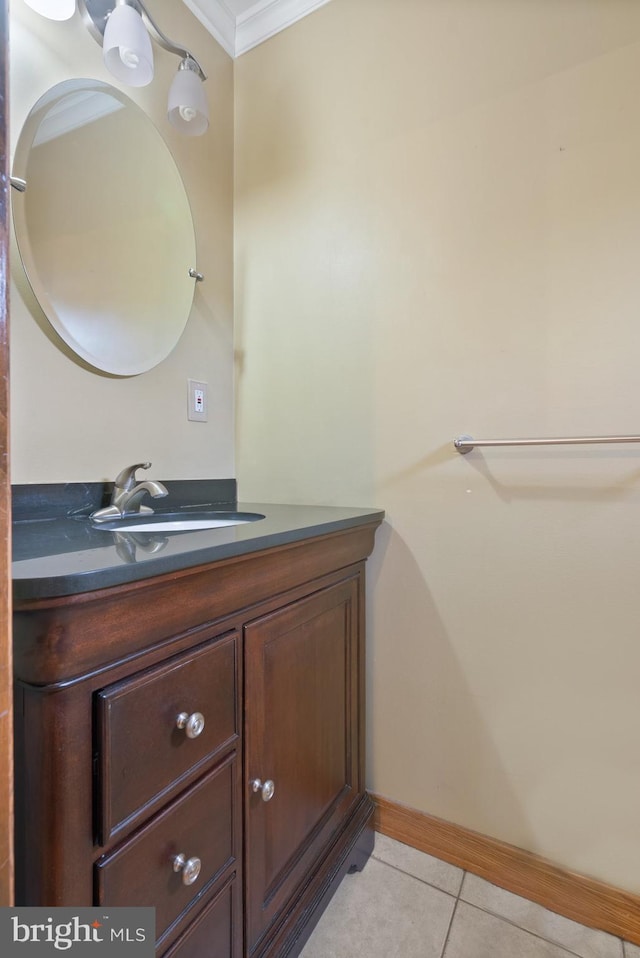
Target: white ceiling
239, 25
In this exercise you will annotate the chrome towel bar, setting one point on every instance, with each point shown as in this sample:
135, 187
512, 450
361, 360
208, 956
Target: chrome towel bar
465, 444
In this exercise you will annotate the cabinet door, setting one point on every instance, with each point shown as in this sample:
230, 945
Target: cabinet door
302, 734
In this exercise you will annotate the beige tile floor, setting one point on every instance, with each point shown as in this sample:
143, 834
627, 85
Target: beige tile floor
405, 904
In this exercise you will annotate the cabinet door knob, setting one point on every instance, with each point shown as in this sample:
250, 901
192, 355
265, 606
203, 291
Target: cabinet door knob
192, 724
190, 868
266, 789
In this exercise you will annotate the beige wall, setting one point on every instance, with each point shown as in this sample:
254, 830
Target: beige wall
70, 423
437, 232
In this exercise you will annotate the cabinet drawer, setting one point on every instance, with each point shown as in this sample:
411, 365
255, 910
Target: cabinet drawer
216, 932
200, 825
143, 753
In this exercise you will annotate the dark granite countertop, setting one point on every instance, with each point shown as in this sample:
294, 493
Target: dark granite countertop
66, 554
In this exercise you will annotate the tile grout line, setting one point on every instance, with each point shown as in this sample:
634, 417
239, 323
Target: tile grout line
422, 881
446, 940
486, 911
534, 934
455, 896
453, 915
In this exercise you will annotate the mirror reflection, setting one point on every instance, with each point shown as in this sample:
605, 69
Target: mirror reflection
104, 227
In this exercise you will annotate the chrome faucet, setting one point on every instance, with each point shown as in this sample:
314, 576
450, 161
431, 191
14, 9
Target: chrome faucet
127, 494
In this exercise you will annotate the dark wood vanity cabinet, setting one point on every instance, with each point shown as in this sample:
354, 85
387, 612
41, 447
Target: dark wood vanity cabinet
195, 742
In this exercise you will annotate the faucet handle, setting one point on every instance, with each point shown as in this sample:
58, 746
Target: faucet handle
126, 479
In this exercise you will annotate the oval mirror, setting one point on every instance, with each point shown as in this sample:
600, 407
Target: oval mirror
104, 227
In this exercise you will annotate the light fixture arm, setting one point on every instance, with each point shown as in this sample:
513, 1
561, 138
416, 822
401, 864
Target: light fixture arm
164, 40
96, 12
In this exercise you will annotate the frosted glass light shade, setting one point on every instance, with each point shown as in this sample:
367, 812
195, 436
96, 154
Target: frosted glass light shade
53, 9
126, 47
188, 109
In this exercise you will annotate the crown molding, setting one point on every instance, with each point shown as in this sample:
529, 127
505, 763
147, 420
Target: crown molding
216, 17
263, 19
268, 17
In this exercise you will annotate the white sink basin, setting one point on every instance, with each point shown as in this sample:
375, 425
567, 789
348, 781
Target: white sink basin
178, 522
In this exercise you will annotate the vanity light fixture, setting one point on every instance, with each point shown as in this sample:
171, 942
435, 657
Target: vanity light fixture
53, 9
124, 29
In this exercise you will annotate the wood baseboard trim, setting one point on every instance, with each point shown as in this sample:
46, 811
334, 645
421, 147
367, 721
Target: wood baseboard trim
574, 896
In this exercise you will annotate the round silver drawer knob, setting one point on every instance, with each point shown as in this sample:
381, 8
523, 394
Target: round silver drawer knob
190, 868
266, 789
192, 724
